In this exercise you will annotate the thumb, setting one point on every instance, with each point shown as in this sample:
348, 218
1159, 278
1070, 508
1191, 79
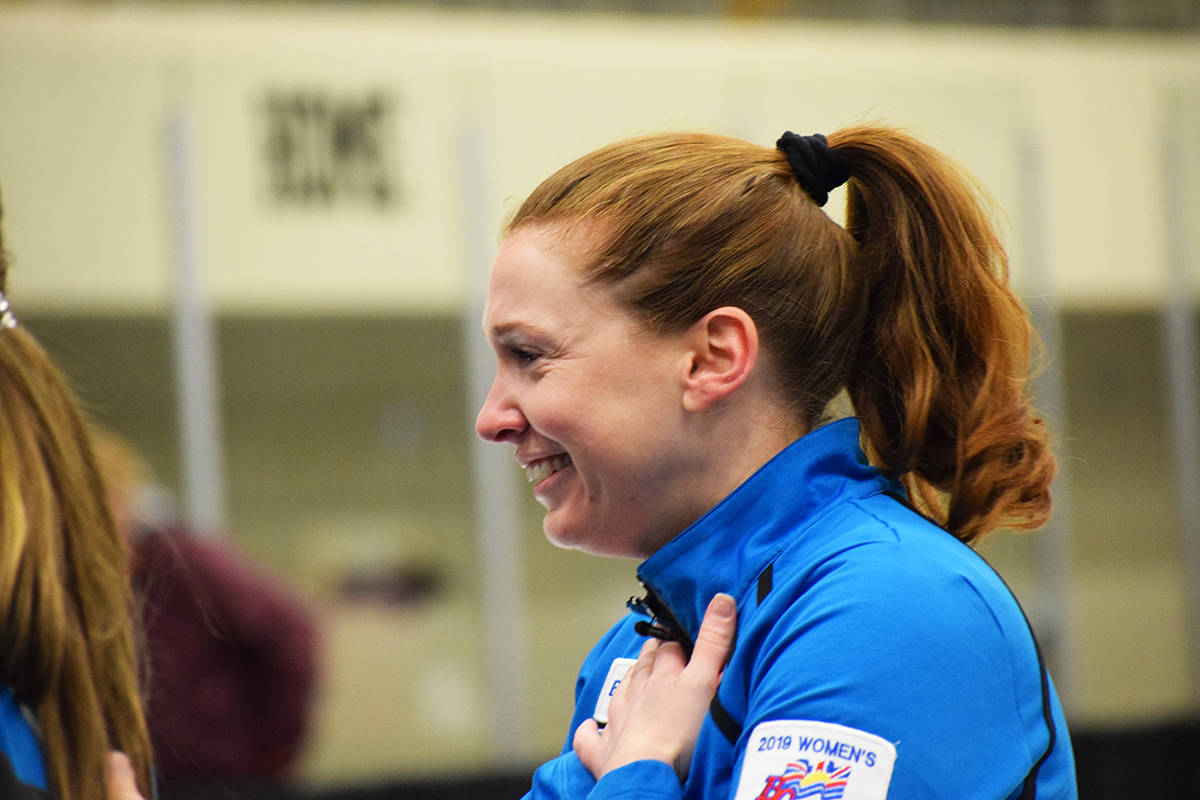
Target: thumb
587, 745
122, 785
715, 638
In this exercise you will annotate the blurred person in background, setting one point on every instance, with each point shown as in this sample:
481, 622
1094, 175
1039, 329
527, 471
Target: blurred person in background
69, 690
672, 317
232, 651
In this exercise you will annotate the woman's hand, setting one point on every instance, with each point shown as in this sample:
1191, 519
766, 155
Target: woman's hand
121, 782
657, 710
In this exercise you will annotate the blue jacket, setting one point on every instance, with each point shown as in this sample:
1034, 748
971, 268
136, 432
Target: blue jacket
876, 655
19, 743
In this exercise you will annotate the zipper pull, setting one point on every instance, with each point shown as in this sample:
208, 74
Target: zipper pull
662, 624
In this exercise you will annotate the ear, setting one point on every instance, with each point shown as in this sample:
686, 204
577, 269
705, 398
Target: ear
723, 348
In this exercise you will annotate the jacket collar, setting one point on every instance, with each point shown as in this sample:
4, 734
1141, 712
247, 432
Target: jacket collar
727, 548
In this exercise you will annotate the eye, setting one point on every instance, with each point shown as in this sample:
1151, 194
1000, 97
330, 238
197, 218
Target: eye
523, 357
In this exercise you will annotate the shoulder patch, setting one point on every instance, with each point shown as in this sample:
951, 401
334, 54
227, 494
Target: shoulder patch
798, 759
611, 681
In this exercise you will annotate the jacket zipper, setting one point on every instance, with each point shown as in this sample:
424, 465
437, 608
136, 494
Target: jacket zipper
663, 624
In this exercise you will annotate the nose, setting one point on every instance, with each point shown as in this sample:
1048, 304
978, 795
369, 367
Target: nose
499, 419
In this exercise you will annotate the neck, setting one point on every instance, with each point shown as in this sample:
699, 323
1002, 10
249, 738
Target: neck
743, 442
730, 444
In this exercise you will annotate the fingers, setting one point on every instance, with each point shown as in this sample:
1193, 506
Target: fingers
661, 703
122, 785
587, 746
640, 671
715, 638
709, 654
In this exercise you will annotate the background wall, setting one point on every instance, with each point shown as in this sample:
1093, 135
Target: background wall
344, 176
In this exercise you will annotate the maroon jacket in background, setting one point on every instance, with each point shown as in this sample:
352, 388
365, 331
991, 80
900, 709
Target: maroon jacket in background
232, 660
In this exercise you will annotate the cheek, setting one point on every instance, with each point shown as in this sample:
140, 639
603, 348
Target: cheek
609, 417
552, 416
559, 408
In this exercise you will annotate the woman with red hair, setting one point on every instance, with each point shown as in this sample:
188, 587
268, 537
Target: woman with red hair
673, 317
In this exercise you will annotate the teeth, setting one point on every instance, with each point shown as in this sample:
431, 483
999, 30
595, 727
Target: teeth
540, 470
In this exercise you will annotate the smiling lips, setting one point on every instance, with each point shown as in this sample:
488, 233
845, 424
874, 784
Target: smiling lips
544, 468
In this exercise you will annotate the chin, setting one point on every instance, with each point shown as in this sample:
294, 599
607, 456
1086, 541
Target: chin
588, 540
568, 539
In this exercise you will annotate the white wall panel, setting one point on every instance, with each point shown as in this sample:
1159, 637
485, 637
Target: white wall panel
89, 89
82, 167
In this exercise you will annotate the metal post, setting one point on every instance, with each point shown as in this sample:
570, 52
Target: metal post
1179, 348
1052, 604
494, 473
196, 378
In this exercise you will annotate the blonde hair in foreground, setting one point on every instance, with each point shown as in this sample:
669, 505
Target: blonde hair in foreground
907, 308
67, 643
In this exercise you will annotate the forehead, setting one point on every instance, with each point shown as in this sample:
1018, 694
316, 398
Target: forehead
537, 280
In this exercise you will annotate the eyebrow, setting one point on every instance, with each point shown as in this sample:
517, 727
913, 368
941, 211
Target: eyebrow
506, 330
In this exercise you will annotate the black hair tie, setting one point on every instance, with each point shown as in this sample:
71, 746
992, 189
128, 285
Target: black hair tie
818, 169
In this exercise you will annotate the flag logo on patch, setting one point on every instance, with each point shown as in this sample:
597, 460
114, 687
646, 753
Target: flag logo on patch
799, 759
800, 780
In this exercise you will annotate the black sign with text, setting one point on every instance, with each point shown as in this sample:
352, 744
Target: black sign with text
325, 149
